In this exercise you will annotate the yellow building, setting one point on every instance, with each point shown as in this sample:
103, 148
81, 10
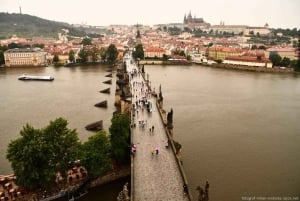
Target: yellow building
223, 52
288, 52
19, 57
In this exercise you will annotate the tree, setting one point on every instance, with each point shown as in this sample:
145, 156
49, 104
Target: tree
179, 52
96, 154
2, 50
94, 53
83, 54
262, 47
55, 58
72, 56
165, 57
188, 57
39, 154
111, 53
254, 47
102, 53
187, 29
296, 65
174, 30
14, 45
285, 62
275, 58
2, 60
86, 41
139, 52
39, 45
219, 61
120, 137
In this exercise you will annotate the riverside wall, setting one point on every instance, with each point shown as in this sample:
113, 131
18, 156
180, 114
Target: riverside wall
252, 68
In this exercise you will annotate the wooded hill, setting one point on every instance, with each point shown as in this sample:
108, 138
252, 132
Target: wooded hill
27, 26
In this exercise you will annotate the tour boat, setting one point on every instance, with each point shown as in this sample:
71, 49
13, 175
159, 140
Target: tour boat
34, 77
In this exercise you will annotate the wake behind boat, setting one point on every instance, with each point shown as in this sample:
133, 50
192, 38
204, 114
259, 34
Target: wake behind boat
35, 77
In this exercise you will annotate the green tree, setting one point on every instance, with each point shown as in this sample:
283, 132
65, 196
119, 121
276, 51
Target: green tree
188, 57
285, 62
39, 154
55, 58
102, 53
187, 29
14, 45
165, 57
296, 65
262, 47
2, 50
96, 154
72, 56
120, 137
174, 31
139, 52
94, 53
179, 52
83, 54
219, 61
254, 47
111, 53
275, 58
86, 41
2, 60
39, 45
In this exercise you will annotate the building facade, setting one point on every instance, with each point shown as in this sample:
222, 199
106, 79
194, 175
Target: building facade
240, 29
223, 52
248, 61
19, 57
152, 52
288, 52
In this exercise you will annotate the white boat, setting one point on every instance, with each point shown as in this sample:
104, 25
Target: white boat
34, 77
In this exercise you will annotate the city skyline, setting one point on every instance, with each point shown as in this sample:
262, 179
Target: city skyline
277, 13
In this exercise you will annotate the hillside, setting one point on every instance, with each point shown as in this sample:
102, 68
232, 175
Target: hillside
24, 25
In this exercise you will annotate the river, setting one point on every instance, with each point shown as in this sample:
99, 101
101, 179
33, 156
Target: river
239, 130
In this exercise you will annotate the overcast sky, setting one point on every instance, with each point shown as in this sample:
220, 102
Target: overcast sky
277, 13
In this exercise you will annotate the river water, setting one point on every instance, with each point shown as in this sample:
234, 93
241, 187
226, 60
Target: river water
239, 130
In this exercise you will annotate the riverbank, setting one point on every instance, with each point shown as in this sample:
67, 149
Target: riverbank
168, 62
252, 68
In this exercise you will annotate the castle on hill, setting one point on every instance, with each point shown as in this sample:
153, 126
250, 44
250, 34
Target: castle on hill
194, 22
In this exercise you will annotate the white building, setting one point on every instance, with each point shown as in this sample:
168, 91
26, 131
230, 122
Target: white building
19, 57
248, 61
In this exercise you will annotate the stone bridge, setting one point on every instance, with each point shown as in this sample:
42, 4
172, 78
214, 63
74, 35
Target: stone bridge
154, 176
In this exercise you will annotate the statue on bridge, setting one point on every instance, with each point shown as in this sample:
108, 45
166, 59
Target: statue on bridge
160, 94
170, 119
123, 195
203, 194
143, 70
